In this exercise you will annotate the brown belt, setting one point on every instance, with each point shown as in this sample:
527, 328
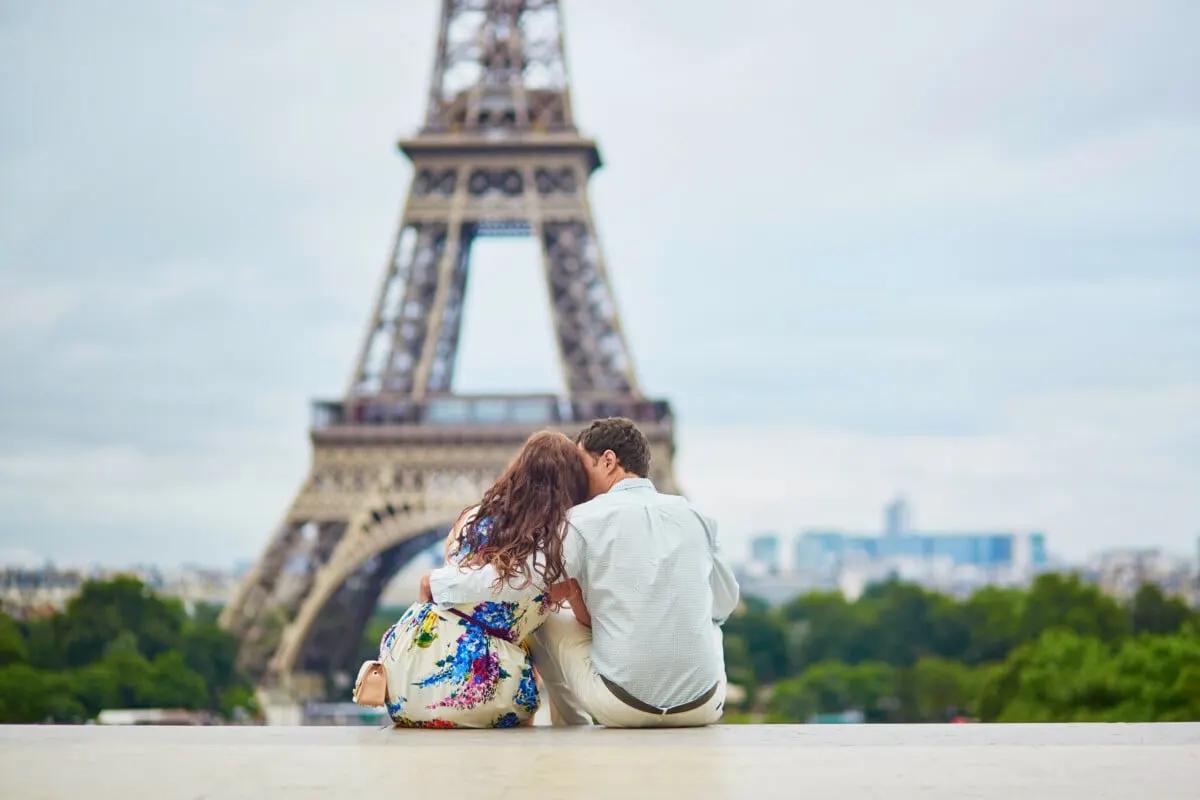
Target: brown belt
631, 701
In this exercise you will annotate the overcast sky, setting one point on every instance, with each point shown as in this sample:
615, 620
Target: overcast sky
940, 248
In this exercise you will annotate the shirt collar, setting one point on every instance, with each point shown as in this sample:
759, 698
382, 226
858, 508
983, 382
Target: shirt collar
631, 483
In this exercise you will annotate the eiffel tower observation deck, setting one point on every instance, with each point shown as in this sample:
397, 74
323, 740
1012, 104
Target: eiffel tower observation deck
400, 454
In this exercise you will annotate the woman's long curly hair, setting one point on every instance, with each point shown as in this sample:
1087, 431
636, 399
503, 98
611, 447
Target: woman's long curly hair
519, 525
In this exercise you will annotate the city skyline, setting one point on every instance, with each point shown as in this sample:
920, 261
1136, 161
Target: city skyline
970, 279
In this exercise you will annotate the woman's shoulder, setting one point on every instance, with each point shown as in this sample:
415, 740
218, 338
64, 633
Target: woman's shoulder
467, 517
457, 546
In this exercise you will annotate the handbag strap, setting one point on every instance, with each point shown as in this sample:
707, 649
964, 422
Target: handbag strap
488, 629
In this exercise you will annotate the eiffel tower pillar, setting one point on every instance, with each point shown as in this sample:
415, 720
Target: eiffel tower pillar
400, 455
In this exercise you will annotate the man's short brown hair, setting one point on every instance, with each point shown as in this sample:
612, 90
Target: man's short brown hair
622, 437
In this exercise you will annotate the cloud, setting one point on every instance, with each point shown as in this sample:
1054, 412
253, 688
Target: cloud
950, 252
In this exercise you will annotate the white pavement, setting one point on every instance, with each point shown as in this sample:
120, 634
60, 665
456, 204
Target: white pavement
1024, 762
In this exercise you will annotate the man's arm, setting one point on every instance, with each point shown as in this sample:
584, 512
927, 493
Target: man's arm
574, 561
724, 589
724, 586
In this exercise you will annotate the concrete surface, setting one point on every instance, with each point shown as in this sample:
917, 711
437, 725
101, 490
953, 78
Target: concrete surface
784, 761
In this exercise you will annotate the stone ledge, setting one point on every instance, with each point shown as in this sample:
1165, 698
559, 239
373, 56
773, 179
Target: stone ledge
784, 761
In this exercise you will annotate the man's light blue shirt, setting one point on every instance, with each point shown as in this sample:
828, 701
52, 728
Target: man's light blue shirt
657, 590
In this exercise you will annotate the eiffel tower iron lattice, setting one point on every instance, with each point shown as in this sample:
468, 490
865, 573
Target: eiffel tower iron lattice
400, 455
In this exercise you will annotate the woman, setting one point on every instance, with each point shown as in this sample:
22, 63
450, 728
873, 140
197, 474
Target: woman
468, 665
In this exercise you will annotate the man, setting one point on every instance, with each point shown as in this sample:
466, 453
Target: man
648, 571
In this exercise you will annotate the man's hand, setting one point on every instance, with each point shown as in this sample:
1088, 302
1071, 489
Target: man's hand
424, 593
566, 591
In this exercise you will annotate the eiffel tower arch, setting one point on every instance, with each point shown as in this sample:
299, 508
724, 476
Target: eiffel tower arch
401, 454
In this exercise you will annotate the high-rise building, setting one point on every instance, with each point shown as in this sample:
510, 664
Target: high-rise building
896, 519
956, 561
764, 552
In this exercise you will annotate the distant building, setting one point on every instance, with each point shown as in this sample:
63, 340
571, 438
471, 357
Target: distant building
896, 520
764, 553
1120, 572
38, 592
957, 562
156, 716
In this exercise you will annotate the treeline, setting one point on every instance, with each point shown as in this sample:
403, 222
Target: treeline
1059, 651
118, 645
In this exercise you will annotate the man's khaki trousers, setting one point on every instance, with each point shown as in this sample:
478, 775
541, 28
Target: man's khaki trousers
562, 653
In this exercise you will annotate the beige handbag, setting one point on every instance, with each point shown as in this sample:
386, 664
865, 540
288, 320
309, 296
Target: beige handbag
370, 689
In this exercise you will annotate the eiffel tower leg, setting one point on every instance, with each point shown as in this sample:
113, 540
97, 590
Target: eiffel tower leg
436, 366
365, 540
586, 322
332, 644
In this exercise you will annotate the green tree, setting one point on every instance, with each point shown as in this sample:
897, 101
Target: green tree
739, 669
765, 641
937, 690
43, 637
212, 654
1158, 678
30, 695
909, 622
1065, 677
105, 609
832, 687
1154, 612
169, 683
118, 645
992, 617
824, 626
1063, 601
13, 649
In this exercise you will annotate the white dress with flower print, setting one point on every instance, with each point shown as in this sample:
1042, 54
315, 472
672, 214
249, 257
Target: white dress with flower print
444, 671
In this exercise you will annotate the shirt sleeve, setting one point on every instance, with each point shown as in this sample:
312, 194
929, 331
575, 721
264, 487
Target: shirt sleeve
724, 589
572, 550
452, 584
724, 586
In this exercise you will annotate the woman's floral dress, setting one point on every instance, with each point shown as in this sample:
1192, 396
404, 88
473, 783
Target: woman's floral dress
446, 672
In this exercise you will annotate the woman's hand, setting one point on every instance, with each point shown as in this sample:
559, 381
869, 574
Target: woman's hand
424, 593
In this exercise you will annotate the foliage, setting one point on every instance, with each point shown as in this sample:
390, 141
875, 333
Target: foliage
1154, 612
1058, 650
13, 649
1065, 677
118, 645
832, 686
764, 645
938, 690
992, 616
1064, 601
825, 626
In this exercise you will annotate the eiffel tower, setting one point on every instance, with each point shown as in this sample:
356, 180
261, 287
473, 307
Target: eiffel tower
401, 454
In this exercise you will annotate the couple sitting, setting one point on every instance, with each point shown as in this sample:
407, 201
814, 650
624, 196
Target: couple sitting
578, 525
